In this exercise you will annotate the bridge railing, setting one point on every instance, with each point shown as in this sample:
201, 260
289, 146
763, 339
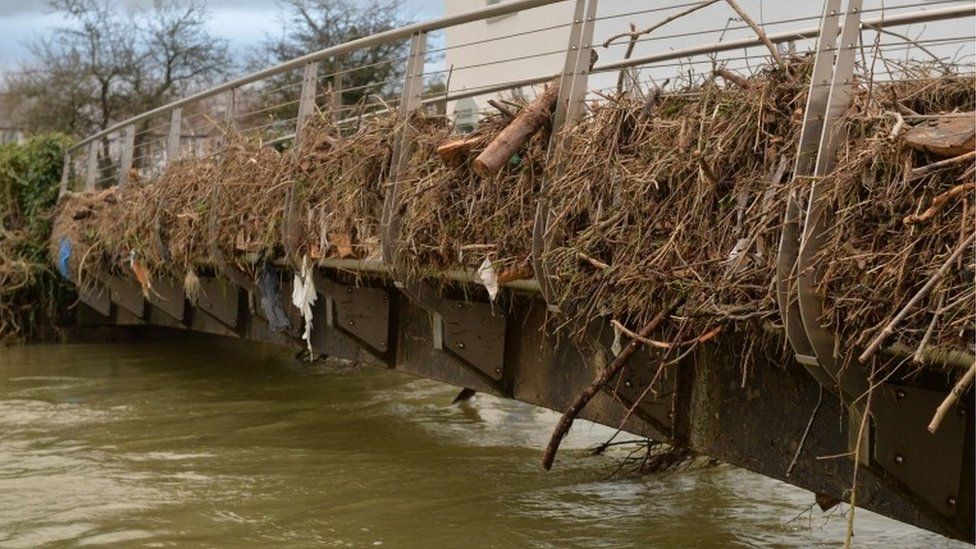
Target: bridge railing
509, 48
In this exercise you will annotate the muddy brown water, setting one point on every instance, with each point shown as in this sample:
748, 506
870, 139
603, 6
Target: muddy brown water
221, 443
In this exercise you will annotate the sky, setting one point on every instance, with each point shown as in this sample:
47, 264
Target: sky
243, 23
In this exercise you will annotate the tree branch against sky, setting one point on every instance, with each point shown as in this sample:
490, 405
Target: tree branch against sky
312, 25
107, 63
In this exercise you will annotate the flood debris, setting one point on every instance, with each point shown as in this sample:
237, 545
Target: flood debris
338, 181
674, 195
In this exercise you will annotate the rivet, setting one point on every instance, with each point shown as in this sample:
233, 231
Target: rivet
352, 322
899, 394
348, 290
951, 501
460, 344
628, 384
961, 411
498, 370
386, 297
670, 415
899, 458
382, 344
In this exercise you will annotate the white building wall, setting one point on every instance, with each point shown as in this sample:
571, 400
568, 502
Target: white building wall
485, 53
502, 49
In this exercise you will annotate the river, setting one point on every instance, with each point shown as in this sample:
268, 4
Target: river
223, 443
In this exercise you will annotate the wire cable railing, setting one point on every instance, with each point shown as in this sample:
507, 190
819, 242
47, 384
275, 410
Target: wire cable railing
272, 103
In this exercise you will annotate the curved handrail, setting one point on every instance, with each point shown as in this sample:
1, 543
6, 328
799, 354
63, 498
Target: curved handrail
400, 33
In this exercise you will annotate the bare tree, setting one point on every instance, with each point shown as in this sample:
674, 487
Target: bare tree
107, 64
312, 25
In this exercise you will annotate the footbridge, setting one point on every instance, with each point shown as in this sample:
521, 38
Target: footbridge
801, 417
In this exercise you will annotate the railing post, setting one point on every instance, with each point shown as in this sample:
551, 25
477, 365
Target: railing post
128, 148
231, 115
337, 85
65, 174
816, 220
806, 155
410, 100
569, 106
173, 139
91, 170
306, 103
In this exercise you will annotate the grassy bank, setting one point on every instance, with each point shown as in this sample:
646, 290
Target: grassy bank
32, 294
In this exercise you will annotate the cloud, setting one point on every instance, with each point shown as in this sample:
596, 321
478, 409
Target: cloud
39, 7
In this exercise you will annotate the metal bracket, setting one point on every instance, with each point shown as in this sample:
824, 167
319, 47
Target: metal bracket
219, 300
128, 150
361, 312
475, 333
569, 106
929, 464
97, 297
167, 295
126, 293
652, 406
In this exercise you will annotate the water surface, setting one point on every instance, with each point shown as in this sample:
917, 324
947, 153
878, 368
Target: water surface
222, 443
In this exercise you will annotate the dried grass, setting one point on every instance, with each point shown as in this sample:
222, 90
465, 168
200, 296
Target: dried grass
873, 262
339, 185
677, 199
454, 219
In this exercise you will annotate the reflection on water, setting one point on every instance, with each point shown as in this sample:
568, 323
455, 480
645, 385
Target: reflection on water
223, 443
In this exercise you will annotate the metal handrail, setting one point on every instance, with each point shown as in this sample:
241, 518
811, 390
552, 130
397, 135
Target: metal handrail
400, 33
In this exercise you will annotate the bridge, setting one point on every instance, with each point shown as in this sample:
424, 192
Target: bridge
801, 420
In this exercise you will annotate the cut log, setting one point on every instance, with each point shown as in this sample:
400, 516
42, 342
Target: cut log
521, 272
454, 152
511, 139
945, 136
734, 78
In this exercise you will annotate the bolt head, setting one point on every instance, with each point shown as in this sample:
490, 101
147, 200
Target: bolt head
498, 370
951, 501
899, 394
352, 322
460, 344
961, 411
899, 458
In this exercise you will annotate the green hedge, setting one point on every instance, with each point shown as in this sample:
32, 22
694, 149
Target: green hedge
31, 292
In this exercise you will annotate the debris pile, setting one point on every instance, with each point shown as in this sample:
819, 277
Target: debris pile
455, 218
339, 186
902, 202
668, 202
673, 202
